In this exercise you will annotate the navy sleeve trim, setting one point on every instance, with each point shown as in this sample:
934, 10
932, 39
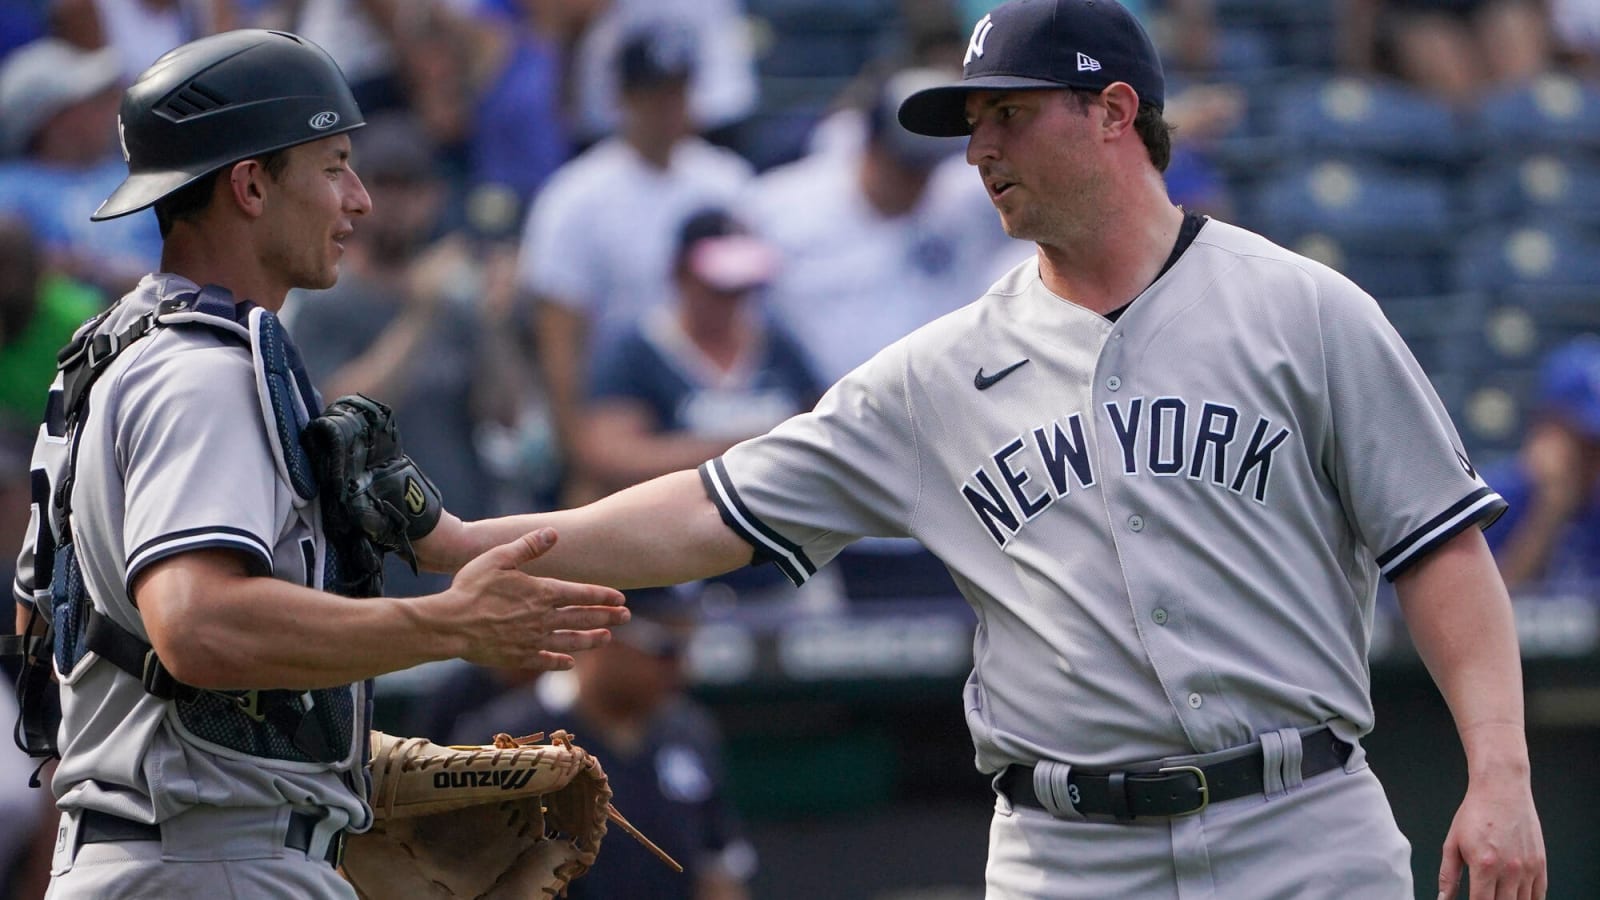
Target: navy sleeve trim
790, 558
258, 556
1481, 508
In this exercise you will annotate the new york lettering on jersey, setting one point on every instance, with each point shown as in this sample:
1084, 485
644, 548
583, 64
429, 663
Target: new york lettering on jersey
1164, 436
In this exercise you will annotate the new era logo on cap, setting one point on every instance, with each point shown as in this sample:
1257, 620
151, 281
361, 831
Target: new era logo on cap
1087, 63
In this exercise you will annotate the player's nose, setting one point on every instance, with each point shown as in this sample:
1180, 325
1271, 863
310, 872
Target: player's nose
357, 201
981, 144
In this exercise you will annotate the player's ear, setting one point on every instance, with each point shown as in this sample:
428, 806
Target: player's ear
1121, 103
245, 186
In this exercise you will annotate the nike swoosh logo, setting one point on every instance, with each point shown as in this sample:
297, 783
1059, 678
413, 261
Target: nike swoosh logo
983, 382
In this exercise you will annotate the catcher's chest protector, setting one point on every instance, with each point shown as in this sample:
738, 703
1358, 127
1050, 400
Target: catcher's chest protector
313, 727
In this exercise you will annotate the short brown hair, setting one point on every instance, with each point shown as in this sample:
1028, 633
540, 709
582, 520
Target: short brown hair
1153, 129
187, 202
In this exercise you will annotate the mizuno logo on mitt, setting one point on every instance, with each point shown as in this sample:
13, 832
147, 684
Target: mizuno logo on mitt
505, 779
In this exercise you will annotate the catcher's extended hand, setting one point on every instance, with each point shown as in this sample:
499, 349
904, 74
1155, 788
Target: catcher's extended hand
369, 487
514, 819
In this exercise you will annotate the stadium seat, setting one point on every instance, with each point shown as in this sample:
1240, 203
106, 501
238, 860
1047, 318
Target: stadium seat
1381, 119
1551, 255
1551, 112
1513, 188
1357, 204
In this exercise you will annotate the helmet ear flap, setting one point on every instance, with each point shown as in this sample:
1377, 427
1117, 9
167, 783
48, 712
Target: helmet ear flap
220, 99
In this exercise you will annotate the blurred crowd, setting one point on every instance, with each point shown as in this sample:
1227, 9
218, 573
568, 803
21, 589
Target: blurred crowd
611, 238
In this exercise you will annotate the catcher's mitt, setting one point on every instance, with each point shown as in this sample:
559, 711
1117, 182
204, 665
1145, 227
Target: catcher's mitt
515, 819
374, 497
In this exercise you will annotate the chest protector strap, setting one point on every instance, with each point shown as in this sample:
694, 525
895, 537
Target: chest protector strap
74, 627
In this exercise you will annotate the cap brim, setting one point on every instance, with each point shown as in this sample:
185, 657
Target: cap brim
942, 111
139, 191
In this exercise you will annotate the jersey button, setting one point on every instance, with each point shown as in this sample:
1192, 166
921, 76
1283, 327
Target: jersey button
1113, 383
1136, 522
1159, 616
1195, 701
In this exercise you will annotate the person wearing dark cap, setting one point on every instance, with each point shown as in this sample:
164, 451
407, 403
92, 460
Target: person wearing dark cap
662, 751
1549, 540
1167, 462
213, 685
597, 249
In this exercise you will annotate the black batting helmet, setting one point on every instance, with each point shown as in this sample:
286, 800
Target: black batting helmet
218, 100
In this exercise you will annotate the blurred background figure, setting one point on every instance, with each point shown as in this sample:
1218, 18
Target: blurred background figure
1457, 50
39, 310
722, 88
140, 30
879, 234
693, 377
597, 251
625, 703
417, 322
1549, 539
58, 160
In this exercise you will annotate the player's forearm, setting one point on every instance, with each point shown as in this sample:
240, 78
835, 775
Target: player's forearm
231, 631
664, 531
1461, 623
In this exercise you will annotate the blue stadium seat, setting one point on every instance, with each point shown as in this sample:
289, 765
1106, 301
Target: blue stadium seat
1524, 324
1359, 205
1535, 186
1494, 412
1552, 112
1551, 255
1371, 117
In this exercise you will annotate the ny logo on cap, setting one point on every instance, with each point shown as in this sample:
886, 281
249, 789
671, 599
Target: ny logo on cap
1087, 63
980, 33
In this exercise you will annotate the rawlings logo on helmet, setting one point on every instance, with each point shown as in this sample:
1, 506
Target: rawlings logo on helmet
324, 120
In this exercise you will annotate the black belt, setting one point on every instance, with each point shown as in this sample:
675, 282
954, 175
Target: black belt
96, 827
1157, 790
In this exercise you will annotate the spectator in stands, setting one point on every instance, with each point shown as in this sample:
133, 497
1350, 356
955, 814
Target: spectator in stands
661, 750
597, 250
722, 86
39, 310
58, 160
1549, 538
1576, 24
690, 379
140, 30
414, 323
879, 234
1455, 49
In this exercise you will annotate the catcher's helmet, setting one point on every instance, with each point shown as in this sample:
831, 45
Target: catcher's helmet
218, 100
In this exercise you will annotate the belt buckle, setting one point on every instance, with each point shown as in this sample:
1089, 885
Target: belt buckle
1205, 787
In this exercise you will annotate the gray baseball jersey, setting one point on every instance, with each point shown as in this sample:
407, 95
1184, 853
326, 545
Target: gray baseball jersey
175, 455
1171, 526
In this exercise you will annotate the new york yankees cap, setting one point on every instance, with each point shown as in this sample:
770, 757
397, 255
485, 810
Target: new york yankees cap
1043, 45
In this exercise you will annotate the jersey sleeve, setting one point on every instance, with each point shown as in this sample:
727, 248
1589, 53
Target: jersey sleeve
1403, 476
197, 468
846, 470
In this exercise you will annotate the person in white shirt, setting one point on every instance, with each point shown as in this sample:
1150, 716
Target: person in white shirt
597, 249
